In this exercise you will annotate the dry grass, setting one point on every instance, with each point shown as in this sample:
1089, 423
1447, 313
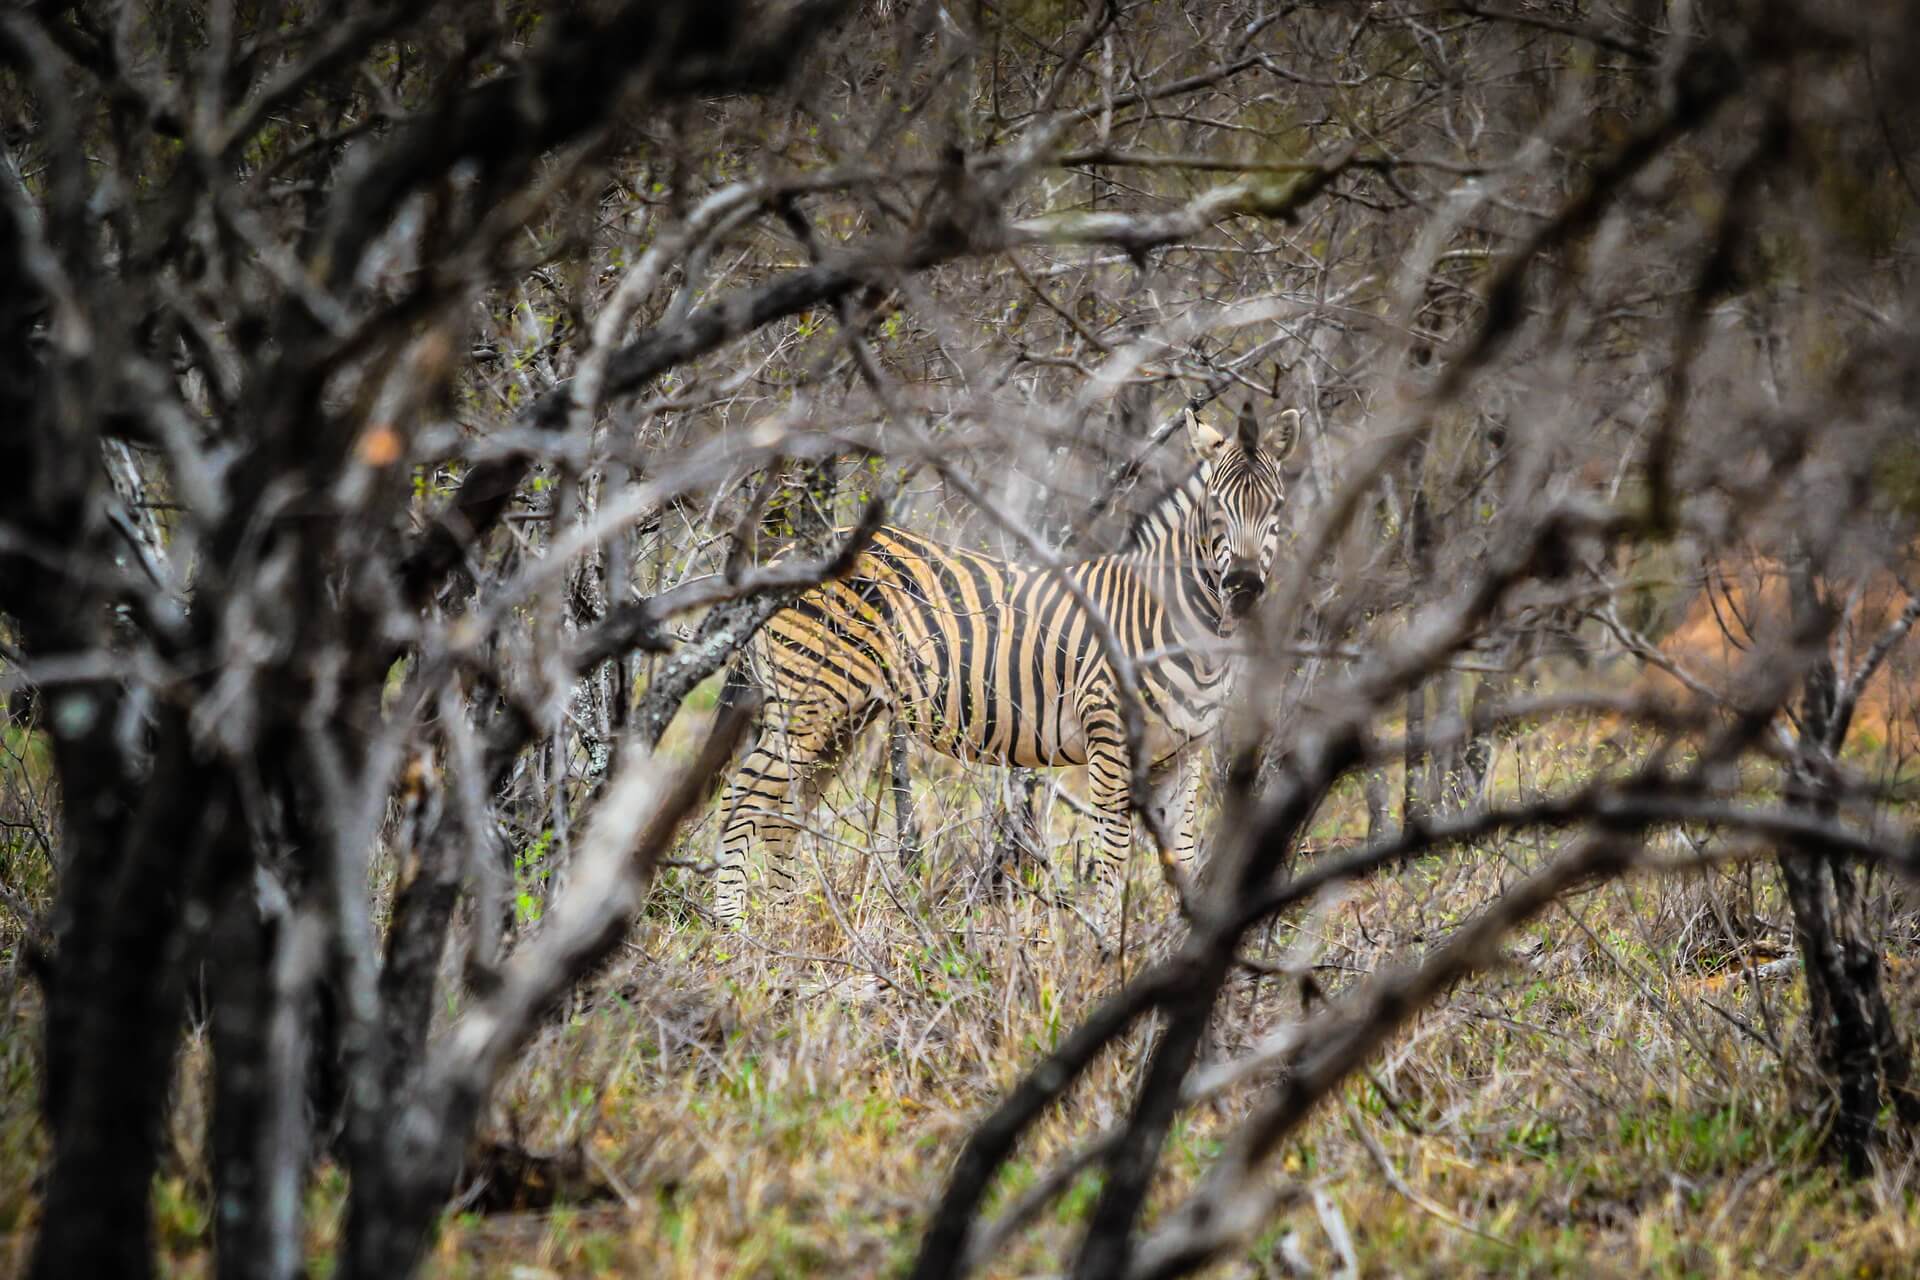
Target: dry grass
1608, 1102
1604, 1104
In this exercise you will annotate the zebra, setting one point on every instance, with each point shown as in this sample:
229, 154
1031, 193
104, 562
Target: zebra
987, 660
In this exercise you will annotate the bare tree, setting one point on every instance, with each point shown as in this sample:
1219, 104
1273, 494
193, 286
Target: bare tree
413, 406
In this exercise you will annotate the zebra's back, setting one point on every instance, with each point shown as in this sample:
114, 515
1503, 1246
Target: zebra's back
978, 657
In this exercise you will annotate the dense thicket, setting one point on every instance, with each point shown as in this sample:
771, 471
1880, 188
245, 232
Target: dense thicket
405, 402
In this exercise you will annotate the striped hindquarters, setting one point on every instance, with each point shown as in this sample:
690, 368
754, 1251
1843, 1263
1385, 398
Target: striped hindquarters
979, 658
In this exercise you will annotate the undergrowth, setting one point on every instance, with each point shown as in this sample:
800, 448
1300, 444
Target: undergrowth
1620, 1097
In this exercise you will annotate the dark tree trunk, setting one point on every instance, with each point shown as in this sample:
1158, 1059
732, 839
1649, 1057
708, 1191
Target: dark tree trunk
397, 1189
1855, 1047
104, 992
104, 973
1478, 756
1413, 791
1447, 764
238, 974
1130, 1170
1856, 1050
117, 1004
416, 937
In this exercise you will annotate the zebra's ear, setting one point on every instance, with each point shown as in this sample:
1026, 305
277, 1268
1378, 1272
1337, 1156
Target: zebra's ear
1249, 429
1286, 435
1204, 439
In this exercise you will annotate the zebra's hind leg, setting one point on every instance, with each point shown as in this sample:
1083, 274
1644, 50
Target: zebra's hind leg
758, 808
768, 794
1110, 789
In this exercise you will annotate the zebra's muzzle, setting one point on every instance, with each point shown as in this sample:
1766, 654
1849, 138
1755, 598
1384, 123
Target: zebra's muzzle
1241, 587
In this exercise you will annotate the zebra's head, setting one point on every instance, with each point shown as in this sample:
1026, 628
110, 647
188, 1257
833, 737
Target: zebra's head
1242, 501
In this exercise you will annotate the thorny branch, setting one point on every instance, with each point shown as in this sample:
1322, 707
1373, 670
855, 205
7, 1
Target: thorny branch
382, 386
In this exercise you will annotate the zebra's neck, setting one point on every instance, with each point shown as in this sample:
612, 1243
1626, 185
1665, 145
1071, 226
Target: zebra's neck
1170, 542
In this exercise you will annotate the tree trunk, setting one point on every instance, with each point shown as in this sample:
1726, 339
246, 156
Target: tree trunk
1373, 786
1416, 801
1856, 1051
1413, 793
906, 829
117, 1004
1447, 764
239, 978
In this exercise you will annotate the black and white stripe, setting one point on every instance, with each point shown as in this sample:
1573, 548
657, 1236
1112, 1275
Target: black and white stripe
989, 660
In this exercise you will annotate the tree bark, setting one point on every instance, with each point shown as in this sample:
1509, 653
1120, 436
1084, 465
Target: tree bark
1856, 1051
239, 977
1416, 800
906, 829
118, 985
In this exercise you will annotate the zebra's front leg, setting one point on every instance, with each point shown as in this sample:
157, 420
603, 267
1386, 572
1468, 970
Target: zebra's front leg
1176, 788
1110, 789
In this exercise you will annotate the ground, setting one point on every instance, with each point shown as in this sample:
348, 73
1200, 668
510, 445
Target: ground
1618, 1098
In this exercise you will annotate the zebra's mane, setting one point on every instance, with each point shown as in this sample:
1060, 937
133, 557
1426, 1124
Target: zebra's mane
1164, 511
